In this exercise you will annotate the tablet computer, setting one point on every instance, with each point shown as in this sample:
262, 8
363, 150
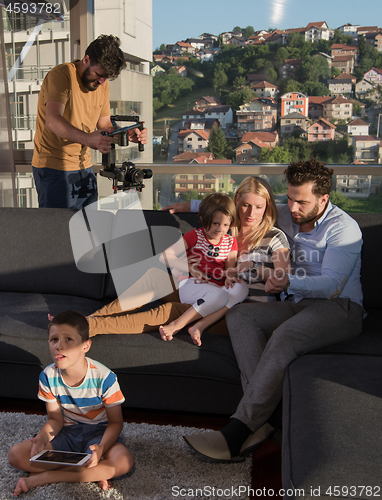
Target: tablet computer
60, 457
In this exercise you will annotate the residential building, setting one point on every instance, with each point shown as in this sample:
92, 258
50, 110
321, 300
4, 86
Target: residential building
294, 123
294, 102
237, 41
364, 30
265, 89
374, 76
203, 183
200, 123
181, 70
317, 31
374, 39
251, 144
181, 48
289, 68
223, 113
199, 43
278, 36
204, 55
367, 148
342, 49
344, 63
338, 108
188, 156
349, 29
364, 89
206, 101
227, 35
358, 127
157, 70
193, 140
321, 130
259, 114
356, 186
316, 108
342, 84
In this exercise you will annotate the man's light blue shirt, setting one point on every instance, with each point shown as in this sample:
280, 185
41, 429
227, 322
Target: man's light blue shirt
326, 262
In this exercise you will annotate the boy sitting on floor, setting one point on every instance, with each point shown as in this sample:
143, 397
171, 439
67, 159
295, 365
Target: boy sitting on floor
83, 402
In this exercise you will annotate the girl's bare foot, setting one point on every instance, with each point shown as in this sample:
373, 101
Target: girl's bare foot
104, 484
168, 331
21, 487
196, 334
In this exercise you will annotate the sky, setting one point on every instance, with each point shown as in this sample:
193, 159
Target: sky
176, 20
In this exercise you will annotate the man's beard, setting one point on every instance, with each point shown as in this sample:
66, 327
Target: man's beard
308, 217
89, 84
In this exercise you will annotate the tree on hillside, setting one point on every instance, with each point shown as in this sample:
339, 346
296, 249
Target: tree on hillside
278, 154
240, 97
219, 79
248, 31
217, 145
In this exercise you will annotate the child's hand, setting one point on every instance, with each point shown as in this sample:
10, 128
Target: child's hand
37, 445
97, 452
229, 282
198, 275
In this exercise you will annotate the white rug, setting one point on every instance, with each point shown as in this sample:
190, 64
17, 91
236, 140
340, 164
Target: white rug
165, 468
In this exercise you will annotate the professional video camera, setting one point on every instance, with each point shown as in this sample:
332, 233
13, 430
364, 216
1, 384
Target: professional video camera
126, 176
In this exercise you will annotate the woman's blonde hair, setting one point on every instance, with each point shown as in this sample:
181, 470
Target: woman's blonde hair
216, 202
258, 186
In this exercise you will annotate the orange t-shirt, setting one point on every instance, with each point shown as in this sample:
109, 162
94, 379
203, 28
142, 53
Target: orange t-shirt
83, 109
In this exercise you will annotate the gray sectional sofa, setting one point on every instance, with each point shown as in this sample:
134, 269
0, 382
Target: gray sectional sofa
332, 405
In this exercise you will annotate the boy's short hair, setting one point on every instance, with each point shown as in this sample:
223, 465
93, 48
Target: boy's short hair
216, 202
314, 171
106, 52
74, 319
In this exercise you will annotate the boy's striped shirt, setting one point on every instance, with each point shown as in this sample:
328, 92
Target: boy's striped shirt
87, 402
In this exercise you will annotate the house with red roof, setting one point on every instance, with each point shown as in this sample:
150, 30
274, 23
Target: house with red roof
344, 63
321, 130
251, 144
358, 127
338, 108
374, 75
316, 108
317, 31
180, 48
193, 140
342, 84
265, 89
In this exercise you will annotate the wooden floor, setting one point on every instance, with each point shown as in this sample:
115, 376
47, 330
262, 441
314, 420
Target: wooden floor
266, 460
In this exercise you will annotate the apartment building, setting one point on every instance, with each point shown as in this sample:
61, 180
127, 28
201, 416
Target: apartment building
294, 102
294, 123
338, 108
259, 114
367, 148
265, 89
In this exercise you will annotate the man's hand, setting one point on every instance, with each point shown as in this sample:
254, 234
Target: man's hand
96, 140
183, 206
136, 135
276, 282
97, 452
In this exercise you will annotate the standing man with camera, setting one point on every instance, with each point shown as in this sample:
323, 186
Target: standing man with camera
73, 110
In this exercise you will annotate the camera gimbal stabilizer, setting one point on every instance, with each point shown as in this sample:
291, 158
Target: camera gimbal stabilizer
127, 175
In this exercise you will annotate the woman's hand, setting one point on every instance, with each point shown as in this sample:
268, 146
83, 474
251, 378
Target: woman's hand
242, 267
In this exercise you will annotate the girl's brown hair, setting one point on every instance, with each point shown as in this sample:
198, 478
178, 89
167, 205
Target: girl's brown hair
216, 202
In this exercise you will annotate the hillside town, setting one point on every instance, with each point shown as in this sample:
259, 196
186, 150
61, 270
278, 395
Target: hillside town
277, 109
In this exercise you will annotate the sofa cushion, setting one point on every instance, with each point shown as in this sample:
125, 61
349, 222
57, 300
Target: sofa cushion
332, 425
36, 254
371, 269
